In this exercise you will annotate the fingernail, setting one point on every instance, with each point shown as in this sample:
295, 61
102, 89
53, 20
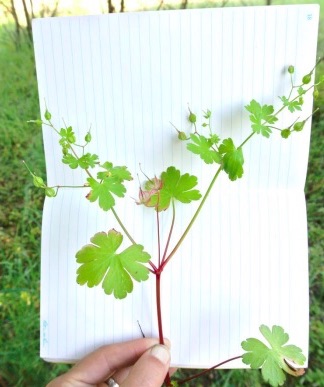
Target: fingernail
161, 352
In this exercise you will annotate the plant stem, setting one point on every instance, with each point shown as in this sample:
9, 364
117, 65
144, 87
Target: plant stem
193, 218
122, 226
247, 139
167, 380
208, 370
158, 237
170, 233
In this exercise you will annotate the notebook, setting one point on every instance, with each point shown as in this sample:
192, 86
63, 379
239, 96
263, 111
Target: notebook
129, 79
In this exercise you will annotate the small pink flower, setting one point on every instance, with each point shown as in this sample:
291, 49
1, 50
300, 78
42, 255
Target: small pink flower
150, 192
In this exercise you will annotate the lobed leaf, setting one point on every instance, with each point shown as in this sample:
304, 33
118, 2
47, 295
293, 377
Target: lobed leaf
111, 183
260, 116
292, 105
273, 360
175, 186
203, 147
101, 263
232, 159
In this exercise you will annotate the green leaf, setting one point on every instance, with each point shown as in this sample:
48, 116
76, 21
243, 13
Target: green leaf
275, 359
214, 139
88, 161
111, 182
120, 173
232, 159
260, 116
175, 186
100, 263
301, 91
103, 192
292, 105
68, 135
70, 160
207, 114
202, 146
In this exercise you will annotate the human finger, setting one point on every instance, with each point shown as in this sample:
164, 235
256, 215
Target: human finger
150, 370
105, 361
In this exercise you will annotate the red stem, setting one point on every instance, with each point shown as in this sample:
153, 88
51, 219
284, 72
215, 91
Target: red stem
167, 380
169, 236
208, 370
158, 236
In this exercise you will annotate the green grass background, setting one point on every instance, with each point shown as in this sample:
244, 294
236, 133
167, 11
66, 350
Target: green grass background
20, 222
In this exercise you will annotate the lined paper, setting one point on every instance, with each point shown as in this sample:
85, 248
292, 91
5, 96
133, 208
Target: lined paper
245, 261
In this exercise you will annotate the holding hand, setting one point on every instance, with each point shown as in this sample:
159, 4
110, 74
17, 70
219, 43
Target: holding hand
138, 363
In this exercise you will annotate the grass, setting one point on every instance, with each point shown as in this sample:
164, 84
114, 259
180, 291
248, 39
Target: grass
20, 219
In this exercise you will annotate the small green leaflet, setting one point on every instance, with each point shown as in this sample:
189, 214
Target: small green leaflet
202, 146
111, 183
273, 360
175, 186
86, 161
100, 263
261, 115
67, 135
232, 159
292, 105
117, 172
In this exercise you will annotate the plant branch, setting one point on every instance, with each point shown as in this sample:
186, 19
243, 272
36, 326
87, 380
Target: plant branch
170, 233
193, 218
122, 226
246, 140
208, 370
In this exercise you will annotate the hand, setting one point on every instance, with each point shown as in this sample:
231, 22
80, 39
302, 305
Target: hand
141, 362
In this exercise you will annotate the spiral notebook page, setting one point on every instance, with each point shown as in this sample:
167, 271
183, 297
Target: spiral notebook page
245, 261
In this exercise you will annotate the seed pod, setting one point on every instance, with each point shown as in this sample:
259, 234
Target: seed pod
47, 115
87, 137
307, 78
192, 118
285, 133
315, 93
291, 69
299, 126
182, 136
38, 182
50, 192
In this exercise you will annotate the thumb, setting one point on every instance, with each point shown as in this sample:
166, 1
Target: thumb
150, 369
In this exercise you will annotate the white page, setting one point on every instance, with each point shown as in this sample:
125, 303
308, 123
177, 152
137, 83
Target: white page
245, 261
